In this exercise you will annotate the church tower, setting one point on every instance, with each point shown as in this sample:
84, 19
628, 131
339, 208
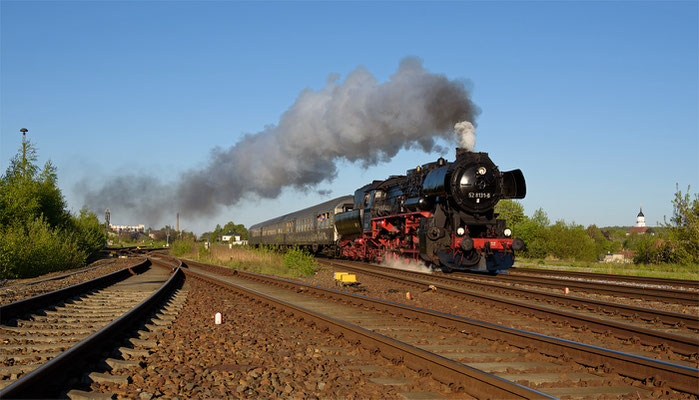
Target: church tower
641, 219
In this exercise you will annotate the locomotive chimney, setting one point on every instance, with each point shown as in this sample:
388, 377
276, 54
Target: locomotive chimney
460, 151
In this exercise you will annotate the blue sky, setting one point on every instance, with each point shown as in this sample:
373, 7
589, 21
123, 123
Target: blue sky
596, 102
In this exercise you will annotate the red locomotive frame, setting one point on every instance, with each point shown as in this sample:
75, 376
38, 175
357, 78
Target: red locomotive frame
398, 235
393, 234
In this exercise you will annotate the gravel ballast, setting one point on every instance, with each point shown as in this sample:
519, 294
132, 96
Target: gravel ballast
20, 289
260, 352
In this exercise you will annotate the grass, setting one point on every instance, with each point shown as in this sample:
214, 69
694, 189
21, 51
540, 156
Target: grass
292, 264
672, 271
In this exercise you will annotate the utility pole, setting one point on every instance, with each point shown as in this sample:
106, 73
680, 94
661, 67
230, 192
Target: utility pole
24, 152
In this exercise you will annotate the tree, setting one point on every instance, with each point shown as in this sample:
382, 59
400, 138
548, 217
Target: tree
511, 211
535, 237
26, 193
230, 226
540, 218
37, 234
159, 235
571, 242
602, 244
683, 229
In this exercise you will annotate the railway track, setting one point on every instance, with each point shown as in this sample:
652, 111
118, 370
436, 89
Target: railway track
676, 331
47, 337
591, 276
483, 359
16, 290
8, 285
646, 293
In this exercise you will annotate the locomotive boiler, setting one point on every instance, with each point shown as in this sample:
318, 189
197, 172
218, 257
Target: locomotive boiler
442, 213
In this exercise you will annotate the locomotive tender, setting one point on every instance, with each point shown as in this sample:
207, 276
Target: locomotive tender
441, 213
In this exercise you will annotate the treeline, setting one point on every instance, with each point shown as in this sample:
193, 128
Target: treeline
37, 234
229, 227
676, 241
566, 241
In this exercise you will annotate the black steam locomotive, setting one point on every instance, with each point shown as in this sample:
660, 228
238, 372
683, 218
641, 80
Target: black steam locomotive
441, 213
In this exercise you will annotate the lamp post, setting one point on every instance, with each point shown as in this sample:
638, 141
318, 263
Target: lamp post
24, 152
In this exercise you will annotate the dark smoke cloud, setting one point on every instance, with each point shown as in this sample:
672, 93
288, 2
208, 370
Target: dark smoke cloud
359, 119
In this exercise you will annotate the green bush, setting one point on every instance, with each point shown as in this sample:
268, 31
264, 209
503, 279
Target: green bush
178, 248
88, 233
656, 251
34, 248
300, 261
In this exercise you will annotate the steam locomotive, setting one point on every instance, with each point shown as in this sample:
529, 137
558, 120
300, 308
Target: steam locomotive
441, 213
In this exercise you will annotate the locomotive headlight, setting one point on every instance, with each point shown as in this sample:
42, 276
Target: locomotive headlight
507, 232
481, 170
460, 231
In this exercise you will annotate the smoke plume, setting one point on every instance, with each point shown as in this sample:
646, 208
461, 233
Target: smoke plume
359, 120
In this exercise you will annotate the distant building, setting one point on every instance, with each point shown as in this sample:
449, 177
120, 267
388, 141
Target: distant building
128, 228
233, 239
621, 257
230, 236
637, 229
640, 227
640, 219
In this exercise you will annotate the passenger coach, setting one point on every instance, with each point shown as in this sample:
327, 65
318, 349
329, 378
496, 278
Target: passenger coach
312, 228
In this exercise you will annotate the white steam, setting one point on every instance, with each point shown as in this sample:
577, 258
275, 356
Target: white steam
405, 264
467, 135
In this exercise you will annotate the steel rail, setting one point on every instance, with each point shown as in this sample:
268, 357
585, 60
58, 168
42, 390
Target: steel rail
678, 377
21, 307
611, 277
680, 344
45, 380
457, 375
667, 317
666, 295
57, 277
